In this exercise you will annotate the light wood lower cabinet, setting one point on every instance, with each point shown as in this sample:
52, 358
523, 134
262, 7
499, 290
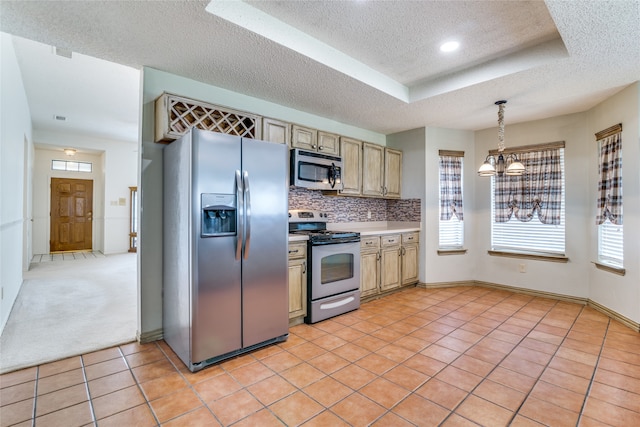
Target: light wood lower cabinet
297, 279
410, 253
369, 266
388, 262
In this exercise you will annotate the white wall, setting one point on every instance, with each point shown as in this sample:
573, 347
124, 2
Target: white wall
412, 143
570, 278
115, 169
150, 236
16, 159
449, 268
619, 293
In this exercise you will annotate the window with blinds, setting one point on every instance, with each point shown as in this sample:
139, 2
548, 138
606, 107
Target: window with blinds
610, 244
530, 237
450, 231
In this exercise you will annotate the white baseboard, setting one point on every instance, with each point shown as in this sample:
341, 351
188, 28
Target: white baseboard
150, 336
551, 295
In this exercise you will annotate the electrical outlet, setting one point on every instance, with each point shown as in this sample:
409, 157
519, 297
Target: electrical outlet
522, 268
368, 214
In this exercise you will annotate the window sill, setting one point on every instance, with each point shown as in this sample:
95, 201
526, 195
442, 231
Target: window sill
525, 255
611, 269
452, 251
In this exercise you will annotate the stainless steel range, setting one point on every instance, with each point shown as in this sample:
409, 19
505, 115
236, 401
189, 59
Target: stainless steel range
333, 281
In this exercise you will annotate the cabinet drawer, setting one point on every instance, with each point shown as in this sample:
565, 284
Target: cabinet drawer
410, 238
297, 250
390, 240
369, 243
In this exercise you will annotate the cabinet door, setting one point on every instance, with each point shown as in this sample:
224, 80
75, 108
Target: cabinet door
369, 273
303, 138
410, 264
351, 150
372, 169
390, 268
392, 173
297, 288
276, 131
328, 143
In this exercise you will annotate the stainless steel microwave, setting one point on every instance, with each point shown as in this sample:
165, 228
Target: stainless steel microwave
315, 171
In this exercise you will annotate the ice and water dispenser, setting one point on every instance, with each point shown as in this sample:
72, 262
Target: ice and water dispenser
218, 215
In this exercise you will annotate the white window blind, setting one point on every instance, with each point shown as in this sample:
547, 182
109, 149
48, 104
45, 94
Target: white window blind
610, 244
533, 236
451, 234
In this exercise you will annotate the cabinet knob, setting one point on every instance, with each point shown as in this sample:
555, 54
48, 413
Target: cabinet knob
313, 146
320, 147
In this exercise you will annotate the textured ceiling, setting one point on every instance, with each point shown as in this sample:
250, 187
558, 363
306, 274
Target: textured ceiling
545, 58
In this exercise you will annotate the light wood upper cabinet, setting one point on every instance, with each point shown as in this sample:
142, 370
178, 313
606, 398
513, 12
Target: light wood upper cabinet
372, 169
392, 173
351, 150
313, 140
328, 143
381, 171
276, 131
304, 138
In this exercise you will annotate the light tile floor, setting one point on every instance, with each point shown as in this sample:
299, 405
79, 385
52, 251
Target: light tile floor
453, 357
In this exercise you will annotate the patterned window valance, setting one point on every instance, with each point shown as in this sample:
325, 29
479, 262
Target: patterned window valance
538, 191
609, 201
451, 186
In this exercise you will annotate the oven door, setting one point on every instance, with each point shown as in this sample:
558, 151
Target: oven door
335, 268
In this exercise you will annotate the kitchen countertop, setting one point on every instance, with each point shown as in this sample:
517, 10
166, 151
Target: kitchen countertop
376, 227
370, 228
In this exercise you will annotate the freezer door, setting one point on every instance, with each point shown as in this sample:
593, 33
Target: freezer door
264, 271
217, 293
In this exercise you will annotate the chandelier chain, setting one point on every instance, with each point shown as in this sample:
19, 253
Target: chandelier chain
501, 128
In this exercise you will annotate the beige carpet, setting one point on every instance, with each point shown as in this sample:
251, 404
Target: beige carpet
70, 307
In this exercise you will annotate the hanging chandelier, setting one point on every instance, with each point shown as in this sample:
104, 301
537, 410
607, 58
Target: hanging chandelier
509, 163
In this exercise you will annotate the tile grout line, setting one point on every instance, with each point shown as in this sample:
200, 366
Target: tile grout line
390, 410
35, 397
189, 385
86, 385
593, 375
138, 384
452, 411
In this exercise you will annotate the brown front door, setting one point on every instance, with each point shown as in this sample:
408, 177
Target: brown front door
71, 214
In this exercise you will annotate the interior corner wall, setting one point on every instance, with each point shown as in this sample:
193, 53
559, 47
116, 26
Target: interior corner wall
154, 83
459, 267
618, 293
16, 147
561, 278
412, 144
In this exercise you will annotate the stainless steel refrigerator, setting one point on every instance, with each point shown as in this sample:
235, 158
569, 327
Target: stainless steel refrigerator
225, 246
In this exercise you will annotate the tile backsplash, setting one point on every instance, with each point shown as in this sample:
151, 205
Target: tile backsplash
355, 209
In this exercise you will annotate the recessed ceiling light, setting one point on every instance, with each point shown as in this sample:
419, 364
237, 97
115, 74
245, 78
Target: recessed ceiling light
449, 46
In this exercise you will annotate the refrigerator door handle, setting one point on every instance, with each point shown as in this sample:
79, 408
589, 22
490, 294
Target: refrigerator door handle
240, 199
247, 195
